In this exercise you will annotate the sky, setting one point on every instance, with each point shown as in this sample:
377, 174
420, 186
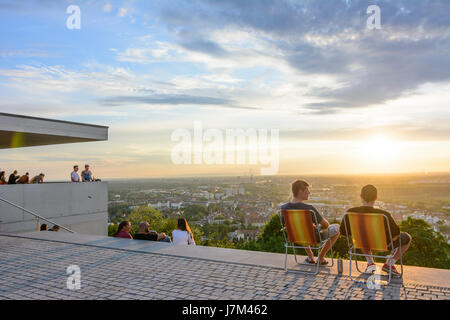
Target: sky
345, 98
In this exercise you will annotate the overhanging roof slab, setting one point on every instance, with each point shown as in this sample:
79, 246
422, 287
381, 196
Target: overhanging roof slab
18, 131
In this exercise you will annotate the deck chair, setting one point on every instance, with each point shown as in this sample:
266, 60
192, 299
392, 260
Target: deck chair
299, 233
367, 231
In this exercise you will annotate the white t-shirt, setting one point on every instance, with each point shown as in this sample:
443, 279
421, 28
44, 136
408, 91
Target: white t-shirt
182, 237
75, 176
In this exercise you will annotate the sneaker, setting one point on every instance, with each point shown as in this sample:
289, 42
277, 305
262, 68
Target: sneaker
394, 271
323, 263
370, 268
309, 261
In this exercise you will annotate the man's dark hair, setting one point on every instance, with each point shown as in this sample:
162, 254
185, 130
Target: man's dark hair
298, 185
369, 193
76, 166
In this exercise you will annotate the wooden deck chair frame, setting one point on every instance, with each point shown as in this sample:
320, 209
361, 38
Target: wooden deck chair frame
288, 244
352, 248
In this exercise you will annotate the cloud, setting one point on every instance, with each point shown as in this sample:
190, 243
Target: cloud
122, 12
107, 7
369, 67
170, 99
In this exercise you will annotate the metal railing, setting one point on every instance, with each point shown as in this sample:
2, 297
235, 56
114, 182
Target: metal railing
38, 217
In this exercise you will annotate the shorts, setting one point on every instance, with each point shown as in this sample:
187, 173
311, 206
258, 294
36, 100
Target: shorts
405, 237
330, 232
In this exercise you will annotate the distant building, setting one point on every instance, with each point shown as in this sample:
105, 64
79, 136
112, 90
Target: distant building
244, 235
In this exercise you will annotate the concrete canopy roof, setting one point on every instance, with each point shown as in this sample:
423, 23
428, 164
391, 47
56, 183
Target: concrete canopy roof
18, 131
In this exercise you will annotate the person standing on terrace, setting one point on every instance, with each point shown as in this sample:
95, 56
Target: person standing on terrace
369, 194
183, 234
86, 174
300, 193
74, 176
123, 231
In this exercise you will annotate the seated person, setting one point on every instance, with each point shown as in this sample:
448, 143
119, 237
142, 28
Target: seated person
55, 228
123, 231
145, 234
183, 234
38, 179
24, 179
13, 177
3, 178
44, 227
368, 196
300, 193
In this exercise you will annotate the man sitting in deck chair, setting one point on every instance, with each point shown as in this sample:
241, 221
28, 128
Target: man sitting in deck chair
300, 193
368, 196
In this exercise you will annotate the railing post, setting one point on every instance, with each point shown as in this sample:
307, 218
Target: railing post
37, 223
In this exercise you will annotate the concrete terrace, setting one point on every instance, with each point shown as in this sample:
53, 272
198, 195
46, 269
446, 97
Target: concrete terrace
33, 266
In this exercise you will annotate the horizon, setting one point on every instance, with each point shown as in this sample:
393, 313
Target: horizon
332, 95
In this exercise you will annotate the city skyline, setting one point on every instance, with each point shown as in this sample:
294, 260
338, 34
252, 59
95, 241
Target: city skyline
346, 99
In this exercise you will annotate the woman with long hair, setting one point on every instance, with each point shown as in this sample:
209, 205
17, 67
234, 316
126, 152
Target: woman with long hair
123, 231
183, 234
3, 177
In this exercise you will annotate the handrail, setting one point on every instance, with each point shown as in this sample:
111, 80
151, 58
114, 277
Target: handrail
36, 215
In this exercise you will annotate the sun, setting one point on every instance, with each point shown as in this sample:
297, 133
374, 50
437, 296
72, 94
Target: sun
380, 149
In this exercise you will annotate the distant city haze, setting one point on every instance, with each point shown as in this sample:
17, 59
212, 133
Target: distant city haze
346, 99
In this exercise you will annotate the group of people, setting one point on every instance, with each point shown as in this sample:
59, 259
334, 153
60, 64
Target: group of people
86, 174
323, 229
180, 236
15, 178
44, 227
369, 194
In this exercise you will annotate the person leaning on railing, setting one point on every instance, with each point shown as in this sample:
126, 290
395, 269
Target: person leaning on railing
38, 179
86, 174
74, 176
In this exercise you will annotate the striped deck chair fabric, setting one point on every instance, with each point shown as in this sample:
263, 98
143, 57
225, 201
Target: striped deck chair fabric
368, 231
299, 227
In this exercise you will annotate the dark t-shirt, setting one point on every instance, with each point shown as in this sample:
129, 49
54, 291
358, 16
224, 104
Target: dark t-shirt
146, 236
366, 209
316, 217
12, 179
304, 206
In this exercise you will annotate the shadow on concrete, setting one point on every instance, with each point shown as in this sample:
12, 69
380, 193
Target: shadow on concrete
390, 291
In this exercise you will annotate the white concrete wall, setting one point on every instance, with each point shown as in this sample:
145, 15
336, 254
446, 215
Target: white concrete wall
82, 207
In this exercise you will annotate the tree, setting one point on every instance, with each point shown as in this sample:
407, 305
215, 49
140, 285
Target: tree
195, 212
154, 218
428, 247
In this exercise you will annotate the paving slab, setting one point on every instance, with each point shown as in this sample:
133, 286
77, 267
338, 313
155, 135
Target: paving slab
31, 264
